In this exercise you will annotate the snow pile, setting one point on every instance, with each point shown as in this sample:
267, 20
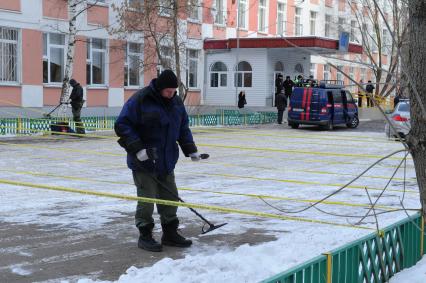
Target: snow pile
244, 264
415, 274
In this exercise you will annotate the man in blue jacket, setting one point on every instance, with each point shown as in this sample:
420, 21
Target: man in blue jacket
150, 125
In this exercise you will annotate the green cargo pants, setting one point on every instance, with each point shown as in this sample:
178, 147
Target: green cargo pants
148, 187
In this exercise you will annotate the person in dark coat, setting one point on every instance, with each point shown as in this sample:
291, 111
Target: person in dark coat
396, 100
151, 125
281, 104
278, 86
77, 102
242, 99
288, 85
369, 88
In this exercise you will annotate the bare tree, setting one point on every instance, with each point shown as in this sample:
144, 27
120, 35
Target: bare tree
161, 25
414, 63
377, 41
75, 9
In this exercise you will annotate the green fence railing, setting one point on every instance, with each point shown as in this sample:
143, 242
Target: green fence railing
374, 258
15, 126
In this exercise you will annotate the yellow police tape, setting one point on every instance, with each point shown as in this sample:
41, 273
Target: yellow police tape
222, 175
255, 132
296, 151
176, 203
339, 203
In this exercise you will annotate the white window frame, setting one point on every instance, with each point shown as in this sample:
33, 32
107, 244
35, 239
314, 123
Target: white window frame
191, 10
220, 17
327, 25
313, 69
243, 73
129, 54
167, 57
298, 26
263, 9
90, 52
281, 14
46, 57
219, 75
243, 13
18, 56
341, 22
312, 22
352, 37
339, 75
327, 72
190, 59
164, 8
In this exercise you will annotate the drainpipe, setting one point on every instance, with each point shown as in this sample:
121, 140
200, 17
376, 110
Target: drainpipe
237, 55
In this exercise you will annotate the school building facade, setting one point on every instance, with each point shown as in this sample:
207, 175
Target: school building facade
231, 45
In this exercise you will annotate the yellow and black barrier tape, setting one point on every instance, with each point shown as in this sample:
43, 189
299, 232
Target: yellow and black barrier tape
256, 196
176, 203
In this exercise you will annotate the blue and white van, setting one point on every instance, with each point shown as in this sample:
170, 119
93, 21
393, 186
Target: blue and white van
326, 105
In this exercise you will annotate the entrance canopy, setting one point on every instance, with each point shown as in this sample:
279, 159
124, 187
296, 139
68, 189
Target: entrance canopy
316, 44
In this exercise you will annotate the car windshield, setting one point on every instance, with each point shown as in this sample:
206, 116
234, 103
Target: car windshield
404, 107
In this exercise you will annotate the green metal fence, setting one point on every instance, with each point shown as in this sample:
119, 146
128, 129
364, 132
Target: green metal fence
16, 126
374, 258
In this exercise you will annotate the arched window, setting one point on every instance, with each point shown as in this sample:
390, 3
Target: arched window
218, 75
298, 68
279, 67
243, 75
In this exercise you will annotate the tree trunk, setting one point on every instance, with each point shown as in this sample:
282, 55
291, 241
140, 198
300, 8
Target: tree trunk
415, 64
69, 65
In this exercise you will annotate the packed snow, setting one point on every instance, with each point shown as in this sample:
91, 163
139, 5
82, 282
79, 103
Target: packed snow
415, 274
299, 166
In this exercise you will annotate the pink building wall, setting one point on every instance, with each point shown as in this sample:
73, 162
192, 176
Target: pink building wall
10, 96
12, 5
32, 57
98, 15
55, 9
97, 97
116, 66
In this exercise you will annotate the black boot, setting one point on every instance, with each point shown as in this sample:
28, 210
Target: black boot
171, 236
146, 241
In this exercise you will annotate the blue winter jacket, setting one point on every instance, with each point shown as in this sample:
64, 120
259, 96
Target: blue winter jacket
149, 121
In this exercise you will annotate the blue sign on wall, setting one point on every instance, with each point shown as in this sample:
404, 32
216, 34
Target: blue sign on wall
344, 41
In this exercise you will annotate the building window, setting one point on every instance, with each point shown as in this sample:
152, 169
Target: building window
135, 3
326, 72
279, 67
313, 21
218, 75
132, 72
340, 26
281, 22
96, 61
220, 12
353, 29
339, 75
8, 55
192, 68
298, 28
194, 10
386, 44
166, 62
262, 15
312, 70
53, 57
165, 8
243, 75
327, 27
242, 14
362, 75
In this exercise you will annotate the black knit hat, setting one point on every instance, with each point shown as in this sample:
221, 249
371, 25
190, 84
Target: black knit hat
167, 79
73, 82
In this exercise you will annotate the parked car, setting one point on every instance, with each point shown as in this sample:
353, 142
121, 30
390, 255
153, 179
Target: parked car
400, 119
326, 105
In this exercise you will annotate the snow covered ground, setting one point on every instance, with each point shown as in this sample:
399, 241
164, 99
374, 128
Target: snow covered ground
415, 274
297, 166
